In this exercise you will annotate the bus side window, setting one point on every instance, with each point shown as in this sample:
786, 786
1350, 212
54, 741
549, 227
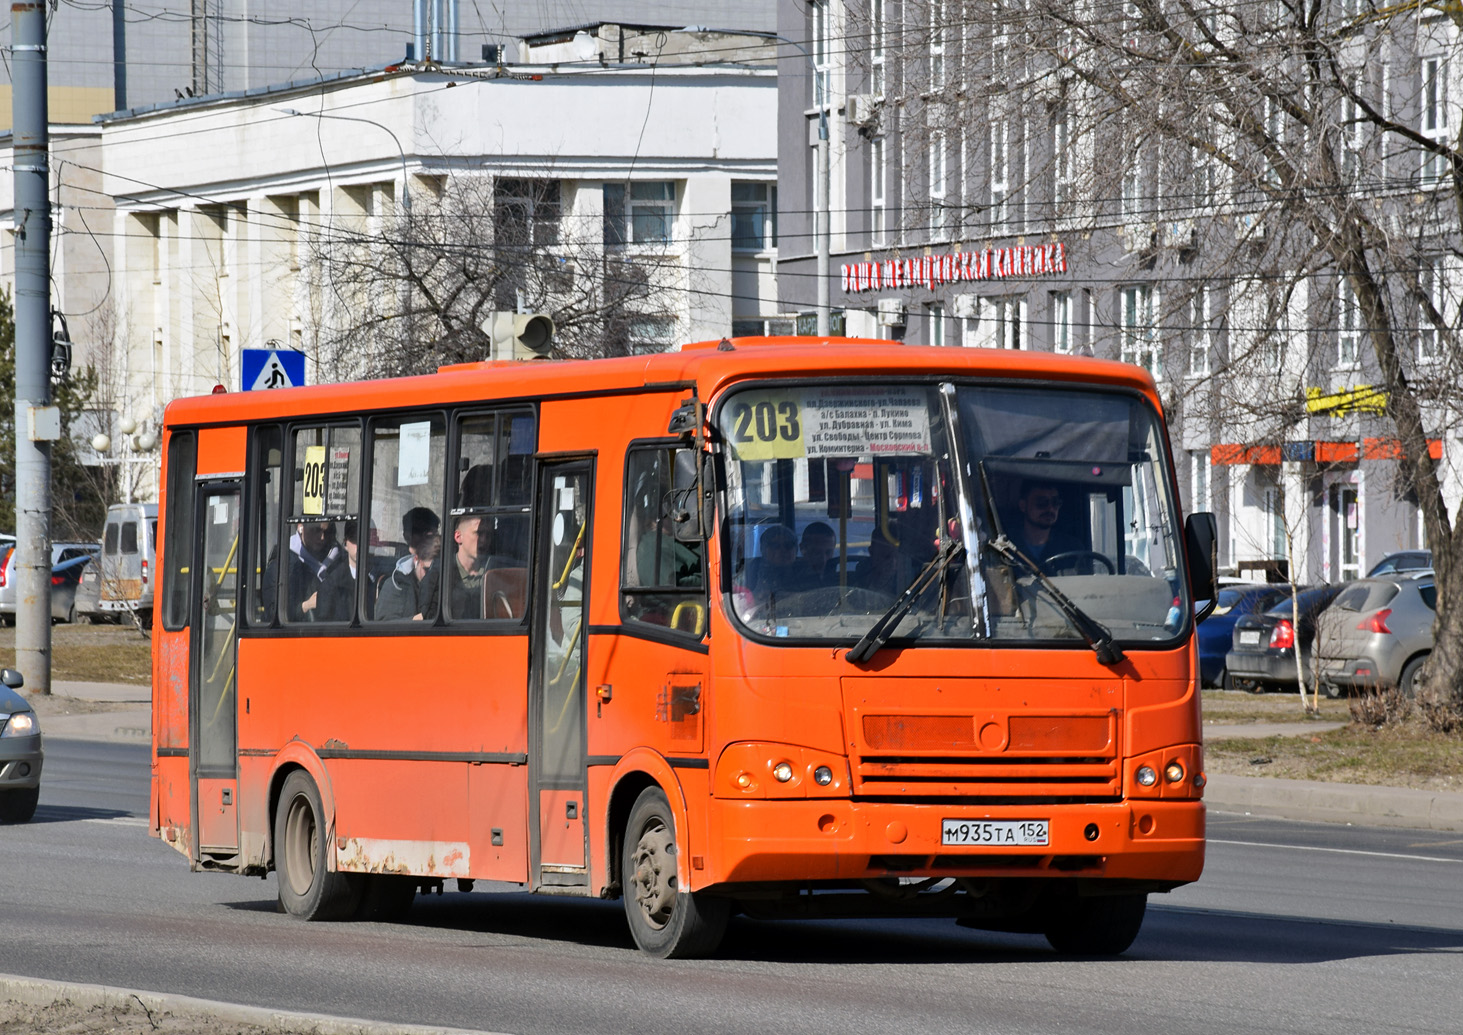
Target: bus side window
312, 565
486, 544
262, 569
177, 566
408, 473
662, 580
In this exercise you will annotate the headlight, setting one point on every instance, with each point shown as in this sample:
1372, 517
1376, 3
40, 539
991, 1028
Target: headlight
1146, 776
21, 724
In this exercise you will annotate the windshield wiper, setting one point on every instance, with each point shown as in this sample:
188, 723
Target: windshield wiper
1094, 632
880, 631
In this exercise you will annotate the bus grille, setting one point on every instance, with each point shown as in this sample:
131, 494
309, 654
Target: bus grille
1009, 759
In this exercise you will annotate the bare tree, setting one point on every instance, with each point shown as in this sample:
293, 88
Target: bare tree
410, 290
1304, 153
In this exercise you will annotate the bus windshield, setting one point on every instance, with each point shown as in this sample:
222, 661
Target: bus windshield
955, 512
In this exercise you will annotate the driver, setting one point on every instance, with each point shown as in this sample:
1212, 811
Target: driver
1038, 537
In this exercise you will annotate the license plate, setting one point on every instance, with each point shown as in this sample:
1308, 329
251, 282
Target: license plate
1250, 638
1016, 832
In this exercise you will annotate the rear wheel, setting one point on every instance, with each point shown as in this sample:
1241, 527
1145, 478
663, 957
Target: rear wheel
1331, 690
665, 921
1100, 926
18, 806
301, 840
1407, 682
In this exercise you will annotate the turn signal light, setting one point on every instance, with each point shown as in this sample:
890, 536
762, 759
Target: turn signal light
782, 772
1173, 772
1284, 635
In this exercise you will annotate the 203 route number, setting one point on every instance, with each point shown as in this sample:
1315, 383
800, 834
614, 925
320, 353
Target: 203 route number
1015, 832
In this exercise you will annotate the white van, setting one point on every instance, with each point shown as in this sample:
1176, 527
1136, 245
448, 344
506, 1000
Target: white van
129, 560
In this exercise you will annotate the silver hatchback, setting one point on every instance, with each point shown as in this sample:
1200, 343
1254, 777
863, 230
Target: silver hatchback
1377, 633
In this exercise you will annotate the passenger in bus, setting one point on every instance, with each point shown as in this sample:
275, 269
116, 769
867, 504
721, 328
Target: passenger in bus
879, 571
410, 591
313, 552
775, 569
1037, 535
663, 560
465, 574
815, 552
337, 593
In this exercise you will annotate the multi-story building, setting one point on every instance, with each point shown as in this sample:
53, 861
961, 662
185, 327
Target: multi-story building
991, 186
634, 200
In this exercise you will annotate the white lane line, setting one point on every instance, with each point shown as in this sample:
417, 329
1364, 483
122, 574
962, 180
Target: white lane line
118, 821
1338, 851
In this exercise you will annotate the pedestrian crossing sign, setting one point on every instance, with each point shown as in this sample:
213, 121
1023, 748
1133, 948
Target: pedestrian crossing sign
272, 368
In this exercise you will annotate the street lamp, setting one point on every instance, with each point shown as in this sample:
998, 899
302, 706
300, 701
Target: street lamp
142, 443
405, 188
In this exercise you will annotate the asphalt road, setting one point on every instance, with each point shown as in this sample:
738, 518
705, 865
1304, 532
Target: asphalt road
1294, 928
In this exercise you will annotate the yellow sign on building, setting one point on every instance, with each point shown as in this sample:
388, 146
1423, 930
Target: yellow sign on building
1361, 399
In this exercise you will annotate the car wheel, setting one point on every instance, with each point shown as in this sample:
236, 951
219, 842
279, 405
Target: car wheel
1331, 690
1407, 682
665, 921
18, 806
307, 888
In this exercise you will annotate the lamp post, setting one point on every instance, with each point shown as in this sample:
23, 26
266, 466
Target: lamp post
405, 188
139, 442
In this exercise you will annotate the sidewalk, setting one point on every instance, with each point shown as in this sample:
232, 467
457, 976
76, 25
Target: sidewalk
122, 714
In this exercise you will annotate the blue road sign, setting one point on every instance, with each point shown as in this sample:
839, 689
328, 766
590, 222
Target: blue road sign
272, 368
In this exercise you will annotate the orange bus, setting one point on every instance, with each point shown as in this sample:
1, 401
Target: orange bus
787, 627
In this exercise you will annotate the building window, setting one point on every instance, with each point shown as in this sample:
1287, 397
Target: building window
1275, 522
937, 324
1434, 119
639, 213
1139, 333
1200, 337
1000, 173
819, 11
1348, 323
1007, 321
1353, 124
937, 45
939, 176
1061, 157
754, 216
1062, 322
876, 188
1199, 462
525, 213
876, 48
1432, 284
650, 333
1131, 188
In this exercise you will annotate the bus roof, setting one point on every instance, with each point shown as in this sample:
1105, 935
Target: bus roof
710, 366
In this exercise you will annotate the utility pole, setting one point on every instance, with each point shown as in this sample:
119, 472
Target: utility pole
37, 422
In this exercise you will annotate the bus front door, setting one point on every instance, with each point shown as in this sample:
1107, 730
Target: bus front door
212, 709
557, 771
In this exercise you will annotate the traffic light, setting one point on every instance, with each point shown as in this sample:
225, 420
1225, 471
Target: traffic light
514, 334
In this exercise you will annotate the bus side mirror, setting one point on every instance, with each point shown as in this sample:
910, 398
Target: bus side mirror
691, 496
1201, 535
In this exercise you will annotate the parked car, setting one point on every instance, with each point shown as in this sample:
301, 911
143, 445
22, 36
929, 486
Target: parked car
1216, 633
1265, 646
1377, 633
89, 595
1404, 560
67, 560
20, 752
128, 562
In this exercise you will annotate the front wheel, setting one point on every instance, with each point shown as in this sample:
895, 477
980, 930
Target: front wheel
18, 806
1100, 926
301, 841
665, 921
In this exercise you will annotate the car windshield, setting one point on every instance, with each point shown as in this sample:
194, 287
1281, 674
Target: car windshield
842, 497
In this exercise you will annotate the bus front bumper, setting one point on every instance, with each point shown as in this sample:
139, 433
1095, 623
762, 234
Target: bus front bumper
813, 840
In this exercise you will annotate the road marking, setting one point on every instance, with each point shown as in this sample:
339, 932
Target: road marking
1338, 851
119, 821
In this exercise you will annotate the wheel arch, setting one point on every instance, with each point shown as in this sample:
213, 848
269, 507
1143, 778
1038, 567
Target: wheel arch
635, 772
297, 755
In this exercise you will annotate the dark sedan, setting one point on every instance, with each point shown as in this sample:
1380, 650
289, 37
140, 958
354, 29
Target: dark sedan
1216, 632
20, 752
1264, 646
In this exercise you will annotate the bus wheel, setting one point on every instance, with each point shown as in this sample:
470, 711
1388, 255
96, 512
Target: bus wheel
306, 888
1103, 925
665, 921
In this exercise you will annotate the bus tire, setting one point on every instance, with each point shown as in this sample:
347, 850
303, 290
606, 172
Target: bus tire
307, 889
1104, 925
665, 922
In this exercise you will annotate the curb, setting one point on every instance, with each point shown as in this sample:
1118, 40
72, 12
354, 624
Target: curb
1335, 802
209, 1013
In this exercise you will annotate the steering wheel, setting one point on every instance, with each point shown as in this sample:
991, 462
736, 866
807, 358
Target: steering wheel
1072, 558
